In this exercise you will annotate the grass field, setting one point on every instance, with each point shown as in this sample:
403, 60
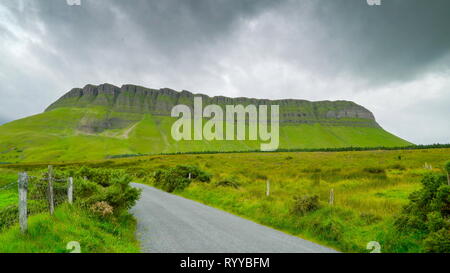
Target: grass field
370, 188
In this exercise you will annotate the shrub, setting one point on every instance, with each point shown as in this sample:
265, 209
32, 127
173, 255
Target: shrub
438, 242
447, 166
85, 188
177, 178
427, 213
170, 180
304, 204
196, 173
102, 209
119, 194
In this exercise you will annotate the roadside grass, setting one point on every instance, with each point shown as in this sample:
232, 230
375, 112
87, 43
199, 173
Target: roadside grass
50, 234
370, 189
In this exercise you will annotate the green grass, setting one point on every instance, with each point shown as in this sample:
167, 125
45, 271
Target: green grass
56, 136
50, 234
8, 196
370, 188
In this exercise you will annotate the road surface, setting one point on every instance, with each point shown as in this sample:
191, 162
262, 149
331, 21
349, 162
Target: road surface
172, 224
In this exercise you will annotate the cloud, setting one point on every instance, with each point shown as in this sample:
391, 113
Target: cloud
317, 50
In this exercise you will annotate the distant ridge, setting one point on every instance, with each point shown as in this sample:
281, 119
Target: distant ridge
138, 99
106, 121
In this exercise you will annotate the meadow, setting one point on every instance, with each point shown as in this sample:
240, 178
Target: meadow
370, 188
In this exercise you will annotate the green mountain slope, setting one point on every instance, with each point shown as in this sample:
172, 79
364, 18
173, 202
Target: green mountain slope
100, 121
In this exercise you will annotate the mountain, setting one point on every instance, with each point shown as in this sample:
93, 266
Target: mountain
95, 122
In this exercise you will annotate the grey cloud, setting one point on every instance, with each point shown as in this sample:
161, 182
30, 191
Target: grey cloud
307, 49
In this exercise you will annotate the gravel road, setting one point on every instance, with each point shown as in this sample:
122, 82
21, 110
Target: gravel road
172, 224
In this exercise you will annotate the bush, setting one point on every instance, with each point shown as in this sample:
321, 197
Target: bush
438, 242
170, 180
102, 209
427, 213
447, 166
177, 178
111, 186
304, 204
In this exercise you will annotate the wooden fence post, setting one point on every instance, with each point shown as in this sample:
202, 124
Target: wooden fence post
50, 190
331, 197
190, 176
23, 191
70, 190
268, 188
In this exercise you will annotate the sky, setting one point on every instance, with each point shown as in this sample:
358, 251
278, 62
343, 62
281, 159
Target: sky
393, 59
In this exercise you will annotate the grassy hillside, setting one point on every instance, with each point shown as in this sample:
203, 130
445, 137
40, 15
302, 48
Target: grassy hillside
73, 134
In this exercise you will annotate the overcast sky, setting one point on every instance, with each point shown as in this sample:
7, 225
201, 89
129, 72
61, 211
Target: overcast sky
394, 59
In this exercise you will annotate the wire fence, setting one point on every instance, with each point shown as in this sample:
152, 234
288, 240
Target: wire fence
8, 186
36, 194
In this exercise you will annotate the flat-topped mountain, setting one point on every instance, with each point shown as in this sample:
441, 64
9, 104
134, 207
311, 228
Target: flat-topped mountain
95, 122
159, 102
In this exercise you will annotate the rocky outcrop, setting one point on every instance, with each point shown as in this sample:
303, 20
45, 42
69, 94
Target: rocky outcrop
138, 99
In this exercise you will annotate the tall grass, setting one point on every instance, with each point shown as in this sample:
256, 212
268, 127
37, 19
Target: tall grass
51, 234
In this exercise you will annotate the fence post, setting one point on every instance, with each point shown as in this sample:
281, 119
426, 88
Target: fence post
23, 212
70, 190
190, 176
448, 178
50, 190
268, 188
331, 197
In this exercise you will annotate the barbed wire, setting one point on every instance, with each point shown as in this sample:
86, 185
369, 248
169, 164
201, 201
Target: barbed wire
8, 186
14, 184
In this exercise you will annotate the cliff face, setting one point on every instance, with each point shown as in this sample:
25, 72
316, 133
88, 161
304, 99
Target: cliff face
137, 99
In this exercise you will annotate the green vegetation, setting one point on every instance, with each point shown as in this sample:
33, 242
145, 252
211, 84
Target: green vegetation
94, 133
98, 219
371, 188
179, 177
427, 216
50, 234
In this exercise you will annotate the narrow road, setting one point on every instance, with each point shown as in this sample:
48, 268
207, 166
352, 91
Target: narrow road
172, 224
